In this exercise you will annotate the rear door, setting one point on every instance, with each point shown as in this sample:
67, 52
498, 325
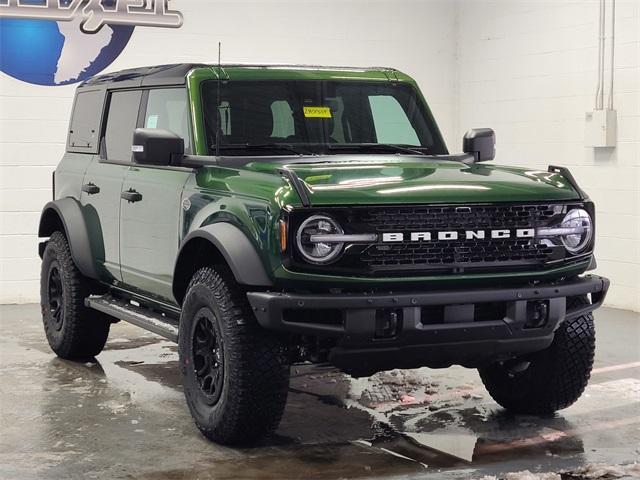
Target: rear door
103, 180
150, 227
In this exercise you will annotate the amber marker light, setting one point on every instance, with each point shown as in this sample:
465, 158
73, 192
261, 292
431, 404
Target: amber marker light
283, 235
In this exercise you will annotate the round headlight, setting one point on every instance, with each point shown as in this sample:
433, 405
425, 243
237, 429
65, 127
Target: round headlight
309, 239
579, 230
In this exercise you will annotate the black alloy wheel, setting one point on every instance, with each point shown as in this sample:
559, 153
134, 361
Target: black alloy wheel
235, 374
55, 297
208, 355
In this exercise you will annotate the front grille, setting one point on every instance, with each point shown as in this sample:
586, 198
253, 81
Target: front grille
461, 253
452, 218
454, 252
441, 256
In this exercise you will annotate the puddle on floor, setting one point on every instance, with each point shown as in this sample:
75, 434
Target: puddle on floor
428, 421
121, 343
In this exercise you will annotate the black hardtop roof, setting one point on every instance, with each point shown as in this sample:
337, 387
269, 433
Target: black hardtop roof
175, 74
172, 74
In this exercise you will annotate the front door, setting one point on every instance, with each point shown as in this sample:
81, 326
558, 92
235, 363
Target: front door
150, 225
150, 228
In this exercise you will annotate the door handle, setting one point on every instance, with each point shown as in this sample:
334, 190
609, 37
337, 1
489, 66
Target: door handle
90, 188
131, 196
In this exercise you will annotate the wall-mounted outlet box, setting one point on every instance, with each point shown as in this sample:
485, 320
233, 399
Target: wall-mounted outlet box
600, 128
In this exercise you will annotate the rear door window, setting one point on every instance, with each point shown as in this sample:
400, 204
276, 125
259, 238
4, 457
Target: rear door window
122, 119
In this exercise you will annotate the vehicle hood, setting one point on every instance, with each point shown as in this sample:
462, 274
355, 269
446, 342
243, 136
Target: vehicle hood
393, 179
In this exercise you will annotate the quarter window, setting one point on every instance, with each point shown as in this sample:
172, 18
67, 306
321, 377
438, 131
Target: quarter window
121, 122
85, 122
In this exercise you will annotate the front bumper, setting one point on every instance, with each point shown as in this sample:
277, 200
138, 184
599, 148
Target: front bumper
421, 335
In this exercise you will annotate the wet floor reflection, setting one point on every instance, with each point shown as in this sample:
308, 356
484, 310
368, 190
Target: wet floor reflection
62, 419
401, 418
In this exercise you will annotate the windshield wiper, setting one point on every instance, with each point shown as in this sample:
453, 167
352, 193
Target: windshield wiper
265, 146
387, 147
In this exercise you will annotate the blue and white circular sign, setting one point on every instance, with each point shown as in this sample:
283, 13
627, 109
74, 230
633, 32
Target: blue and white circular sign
59, 42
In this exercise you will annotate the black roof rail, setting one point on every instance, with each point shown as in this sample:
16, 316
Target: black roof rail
176, 73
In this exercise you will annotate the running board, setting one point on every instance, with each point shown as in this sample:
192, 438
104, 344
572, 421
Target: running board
137, 315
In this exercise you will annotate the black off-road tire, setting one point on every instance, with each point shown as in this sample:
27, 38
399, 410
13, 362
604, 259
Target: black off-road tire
248, 363
555, 377
74, 332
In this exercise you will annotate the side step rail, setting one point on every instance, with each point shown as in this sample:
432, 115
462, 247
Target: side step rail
139, 316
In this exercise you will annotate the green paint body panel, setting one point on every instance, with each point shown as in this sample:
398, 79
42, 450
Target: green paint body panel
384, 180
253, 197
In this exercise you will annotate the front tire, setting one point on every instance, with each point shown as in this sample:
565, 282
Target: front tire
235, 374
74, 332
555, 377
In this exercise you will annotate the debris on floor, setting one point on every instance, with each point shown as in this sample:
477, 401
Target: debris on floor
604, 471
525, 475
594, 471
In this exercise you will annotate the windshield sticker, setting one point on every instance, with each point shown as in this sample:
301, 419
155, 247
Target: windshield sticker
317, 112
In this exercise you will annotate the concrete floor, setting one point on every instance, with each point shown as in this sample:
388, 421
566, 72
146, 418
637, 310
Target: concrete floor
124, 416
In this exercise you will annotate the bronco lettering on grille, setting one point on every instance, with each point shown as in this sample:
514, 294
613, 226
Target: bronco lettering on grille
458, 234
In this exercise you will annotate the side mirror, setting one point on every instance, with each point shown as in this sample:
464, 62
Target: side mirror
152, 146
481, 143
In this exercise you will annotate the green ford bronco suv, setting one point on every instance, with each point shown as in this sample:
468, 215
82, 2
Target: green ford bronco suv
262, 216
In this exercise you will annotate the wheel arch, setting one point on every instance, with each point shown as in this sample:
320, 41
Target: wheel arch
218, 243
65, 215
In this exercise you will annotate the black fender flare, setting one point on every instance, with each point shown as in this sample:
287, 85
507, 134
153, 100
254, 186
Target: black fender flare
236, 248
69, 212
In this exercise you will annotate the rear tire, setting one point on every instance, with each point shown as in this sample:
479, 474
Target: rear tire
73, 331
235, 374
555, 378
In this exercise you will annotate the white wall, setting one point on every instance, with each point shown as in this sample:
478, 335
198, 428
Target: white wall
528, 69
413, 36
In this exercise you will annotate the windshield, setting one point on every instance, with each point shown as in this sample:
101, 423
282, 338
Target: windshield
321, 117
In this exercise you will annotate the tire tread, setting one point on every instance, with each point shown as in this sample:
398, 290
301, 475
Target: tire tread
84, 331
556, 377
259, 374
